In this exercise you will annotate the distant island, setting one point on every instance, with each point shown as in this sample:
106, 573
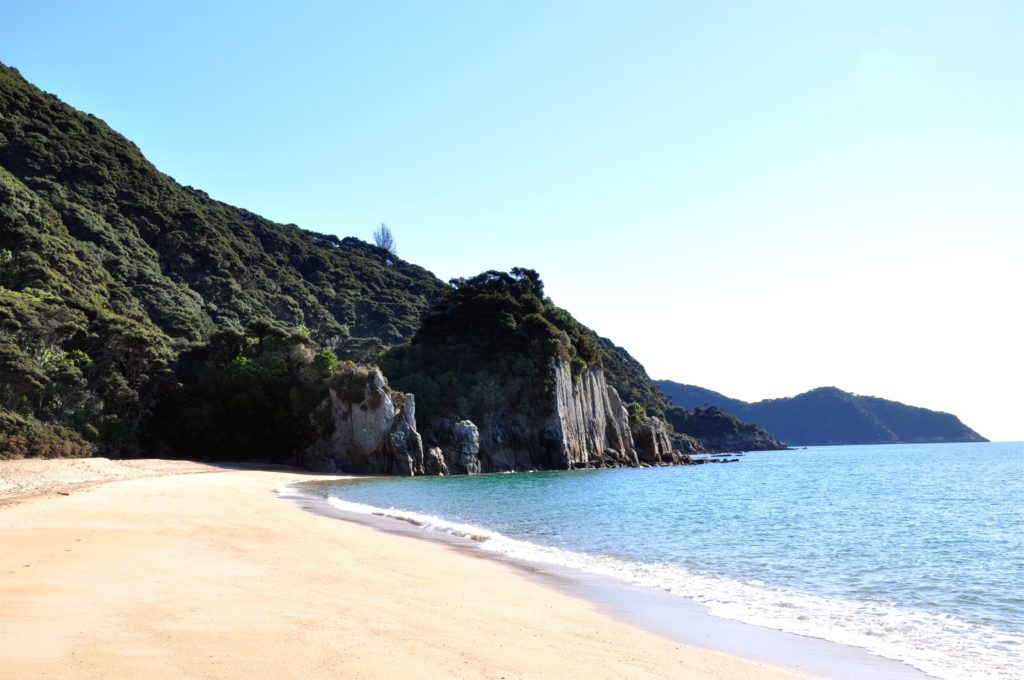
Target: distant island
828, 415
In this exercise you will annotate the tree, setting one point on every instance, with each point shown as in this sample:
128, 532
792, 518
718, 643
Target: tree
383, 237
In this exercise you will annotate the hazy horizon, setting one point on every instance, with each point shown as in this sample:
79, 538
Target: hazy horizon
758, 199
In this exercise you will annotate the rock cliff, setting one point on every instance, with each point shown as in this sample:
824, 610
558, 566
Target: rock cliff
588, 425
653, 443
506, 381
366, 428
368, 433
583, 424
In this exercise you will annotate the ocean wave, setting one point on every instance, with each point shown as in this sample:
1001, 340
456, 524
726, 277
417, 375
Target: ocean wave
940, 645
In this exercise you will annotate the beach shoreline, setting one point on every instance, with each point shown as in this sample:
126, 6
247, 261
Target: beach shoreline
213, 575
672, 617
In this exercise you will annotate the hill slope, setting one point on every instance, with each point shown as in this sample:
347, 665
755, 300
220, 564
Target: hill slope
136, 313
828, 415
109, 269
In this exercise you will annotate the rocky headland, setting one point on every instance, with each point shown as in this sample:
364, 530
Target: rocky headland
368, 428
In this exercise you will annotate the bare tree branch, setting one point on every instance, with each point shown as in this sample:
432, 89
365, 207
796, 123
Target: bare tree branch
383, 237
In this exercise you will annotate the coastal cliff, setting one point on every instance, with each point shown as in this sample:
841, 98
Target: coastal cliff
533, 380
374, 435
589, 425
365, 427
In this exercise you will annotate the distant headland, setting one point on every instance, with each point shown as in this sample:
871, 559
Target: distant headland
828, 415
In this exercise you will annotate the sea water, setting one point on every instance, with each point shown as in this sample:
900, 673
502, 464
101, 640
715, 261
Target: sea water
913, 552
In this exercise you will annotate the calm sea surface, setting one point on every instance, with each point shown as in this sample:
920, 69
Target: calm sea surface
915, 552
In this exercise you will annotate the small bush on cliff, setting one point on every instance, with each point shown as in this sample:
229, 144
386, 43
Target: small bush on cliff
349, 381
637, 412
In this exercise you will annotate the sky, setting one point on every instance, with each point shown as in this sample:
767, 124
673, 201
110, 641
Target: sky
758, 198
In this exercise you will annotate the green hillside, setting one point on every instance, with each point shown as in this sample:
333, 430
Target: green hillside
110, 269
141, 316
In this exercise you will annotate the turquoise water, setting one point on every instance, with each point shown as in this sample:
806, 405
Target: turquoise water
915, 552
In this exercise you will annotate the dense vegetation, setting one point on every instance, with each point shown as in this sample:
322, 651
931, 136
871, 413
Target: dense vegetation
828, 415
630, 378
110, 270
488, 347
710, 421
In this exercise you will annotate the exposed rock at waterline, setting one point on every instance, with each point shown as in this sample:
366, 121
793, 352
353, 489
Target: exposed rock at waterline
464, 454
370, 436
433, 462
653, 444
588, 426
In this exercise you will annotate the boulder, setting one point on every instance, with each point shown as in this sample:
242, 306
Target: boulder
433, 462
653, 444
465, 453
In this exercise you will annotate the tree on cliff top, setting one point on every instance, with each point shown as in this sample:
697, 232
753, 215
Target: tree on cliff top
383, 237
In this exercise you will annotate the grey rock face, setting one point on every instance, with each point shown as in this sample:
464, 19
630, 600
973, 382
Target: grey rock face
585, 424
509, 442
465, 453
653, 444
433, 462
589, 426
369, 437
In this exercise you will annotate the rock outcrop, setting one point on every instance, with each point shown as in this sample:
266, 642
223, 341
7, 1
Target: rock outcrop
588, 426
373, 435
653, 444
584, 424
464, 455
730, 442
434, 463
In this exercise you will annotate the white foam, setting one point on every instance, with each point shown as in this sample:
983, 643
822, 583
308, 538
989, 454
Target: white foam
940, 645
288, 491
292, 490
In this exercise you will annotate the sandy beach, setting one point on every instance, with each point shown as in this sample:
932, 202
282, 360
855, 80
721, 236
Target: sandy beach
161, 574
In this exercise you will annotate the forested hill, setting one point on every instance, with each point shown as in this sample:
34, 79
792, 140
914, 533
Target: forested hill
828, 415
138, 315
109, 269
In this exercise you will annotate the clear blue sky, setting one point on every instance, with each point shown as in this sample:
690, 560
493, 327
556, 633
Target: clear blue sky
756, 197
